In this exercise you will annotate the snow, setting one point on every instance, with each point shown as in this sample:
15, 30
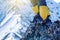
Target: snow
57, 1
54, 9
15, 16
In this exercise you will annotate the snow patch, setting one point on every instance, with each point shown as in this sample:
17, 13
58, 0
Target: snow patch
57, 1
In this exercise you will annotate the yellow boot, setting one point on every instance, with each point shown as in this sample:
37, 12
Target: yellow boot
44, 12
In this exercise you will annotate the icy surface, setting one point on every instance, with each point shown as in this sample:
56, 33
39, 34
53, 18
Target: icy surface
16, 15
15, 18
57, 1
54, 9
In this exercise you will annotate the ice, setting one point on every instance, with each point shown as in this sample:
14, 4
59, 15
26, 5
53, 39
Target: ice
57, 1
54, 9
16, 15
15, 18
